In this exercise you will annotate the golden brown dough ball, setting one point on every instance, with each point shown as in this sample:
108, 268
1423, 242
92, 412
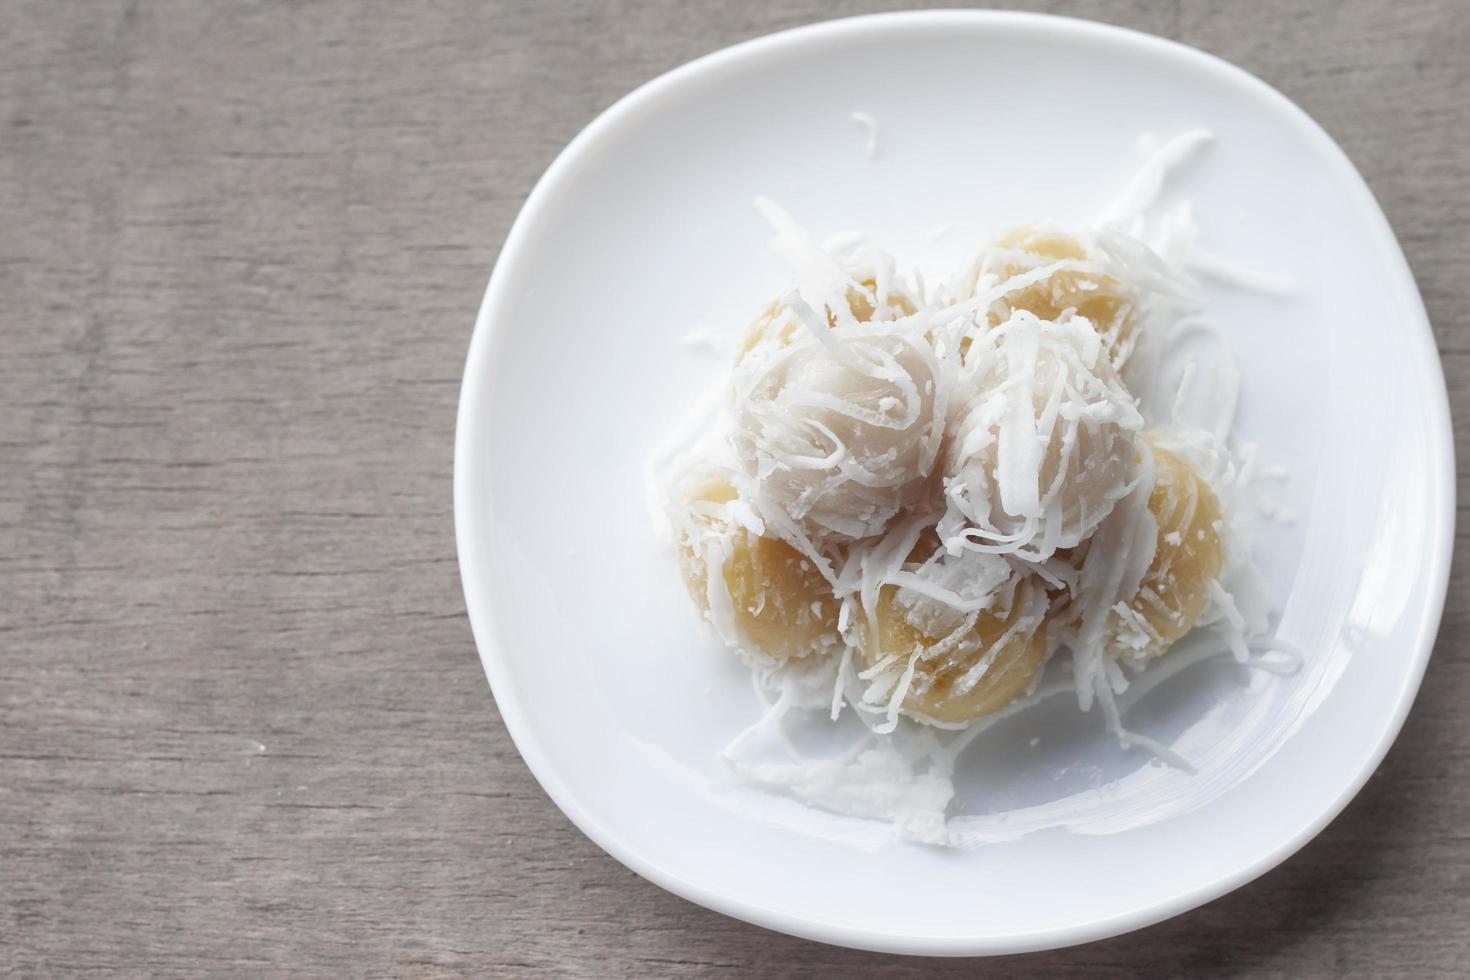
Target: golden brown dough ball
778, 601
935, 691
1098, 298
1187, 559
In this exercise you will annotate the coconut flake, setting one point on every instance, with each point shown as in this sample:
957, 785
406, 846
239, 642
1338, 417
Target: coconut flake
1149, 180
870, 132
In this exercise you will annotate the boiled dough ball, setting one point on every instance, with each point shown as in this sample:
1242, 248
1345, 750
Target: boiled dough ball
777, 326
838, 439
768, 596
1187, 558
1101, 299
1044, 447
952, 686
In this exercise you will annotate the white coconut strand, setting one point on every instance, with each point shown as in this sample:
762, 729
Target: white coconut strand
1117, 560
1149, 179
819, 278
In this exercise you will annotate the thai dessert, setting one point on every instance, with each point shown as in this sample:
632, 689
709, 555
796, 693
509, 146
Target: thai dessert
915, 499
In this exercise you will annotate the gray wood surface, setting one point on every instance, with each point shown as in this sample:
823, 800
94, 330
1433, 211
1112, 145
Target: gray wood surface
243, 729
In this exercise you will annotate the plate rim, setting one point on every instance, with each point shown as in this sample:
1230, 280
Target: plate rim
468, 431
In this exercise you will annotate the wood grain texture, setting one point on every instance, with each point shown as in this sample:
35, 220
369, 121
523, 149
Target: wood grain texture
243, 729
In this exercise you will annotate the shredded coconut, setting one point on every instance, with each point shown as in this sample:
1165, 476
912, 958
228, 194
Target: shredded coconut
702, 339
870, 131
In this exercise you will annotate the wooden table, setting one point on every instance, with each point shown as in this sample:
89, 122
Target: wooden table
243, 729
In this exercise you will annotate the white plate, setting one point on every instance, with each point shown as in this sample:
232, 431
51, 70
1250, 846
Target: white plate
643, 228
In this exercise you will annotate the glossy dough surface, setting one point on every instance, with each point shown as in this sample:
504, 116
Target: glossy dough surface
1187, 559
777, 601
993, 663
1101, 299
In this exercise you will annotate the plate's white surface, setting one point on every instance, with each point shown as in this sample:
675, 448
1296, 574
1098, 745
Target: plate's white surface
644, 229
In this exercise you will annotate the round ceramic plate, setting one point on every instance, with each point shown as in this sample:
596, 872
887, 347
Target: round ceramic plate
643, 231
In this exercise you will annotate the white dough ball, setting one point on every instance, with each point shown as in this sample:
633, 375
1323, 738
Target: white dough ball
1042, 447
840, 436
